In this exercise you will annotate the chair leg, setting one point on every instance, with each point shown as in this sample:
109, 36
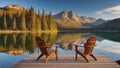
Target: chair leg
56, 52
76, 56
93, 57
39, 56
49, 56
83, 56
56, 55
85, 59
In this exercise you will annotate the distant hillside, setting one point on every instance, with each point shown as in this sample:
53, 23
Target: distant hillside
111, 24
96, 23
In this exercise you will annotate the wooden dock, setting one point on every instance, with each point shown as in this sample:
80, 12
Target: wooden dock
67, 61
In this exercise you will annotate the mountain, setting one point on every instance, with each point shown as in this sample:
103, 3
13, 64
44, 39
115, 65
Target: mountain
87, 19
13, 6
73, 16
111, 24
69, 19
98, 22
70, 15
62, 15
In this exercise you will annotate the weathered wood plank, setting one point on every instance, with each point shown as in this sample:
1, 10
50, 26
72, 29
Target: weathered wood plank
67, 61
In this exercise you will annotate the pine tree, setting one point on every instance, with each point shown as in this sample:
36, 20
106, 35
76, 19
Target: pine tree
44, 24
23, 22
32, 19
28, 21
53, 26
39, 14
48, 21
9, 19
38, 25
14, 23
51, 21
18, 20
4, 21
10, 14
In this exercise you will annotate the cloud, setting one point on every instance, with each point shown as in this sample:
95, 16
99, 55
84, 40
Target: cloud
108, 13
111, 10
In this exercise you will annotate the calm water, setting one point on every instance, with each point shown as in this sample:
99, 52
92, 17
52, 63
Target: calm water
15, 47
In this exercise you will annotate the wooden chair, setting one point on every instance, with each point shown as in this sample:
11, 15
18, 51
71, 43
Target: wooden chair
46, 50
88, 48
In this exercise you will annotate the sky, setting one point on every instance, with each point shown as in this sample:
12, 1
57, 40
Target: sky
106, 9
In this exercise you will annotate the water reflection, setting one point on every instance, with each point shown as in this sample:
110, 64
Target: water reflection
109, 46
114, 36
66, 40
18, 46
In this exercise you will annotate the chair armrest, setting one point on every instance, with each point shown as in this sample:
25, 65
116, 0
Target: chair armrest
45, 47
48, 44
55, 46
90, 46
78, 45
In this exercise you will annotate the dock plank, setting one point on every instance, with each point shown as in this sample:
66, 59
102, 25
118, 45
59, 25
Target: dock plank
67, 61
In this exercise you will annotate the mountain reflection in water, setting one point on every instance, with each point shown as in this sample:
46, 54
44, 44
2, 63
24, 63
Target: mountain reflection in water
18, 44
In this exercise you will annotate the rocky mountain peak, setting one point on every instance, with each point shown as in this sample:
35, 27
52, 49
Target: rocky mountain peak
70, 15
62, 15
14, 6
73, 16
65, 15
71, 12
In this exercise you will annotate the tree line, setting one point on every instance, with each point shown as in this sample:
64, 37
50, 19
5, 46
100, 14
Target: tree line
26, 20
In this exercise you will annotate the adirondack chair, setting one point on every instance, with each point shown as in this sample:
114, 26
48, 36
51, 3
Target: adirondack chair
46, 50
87, 50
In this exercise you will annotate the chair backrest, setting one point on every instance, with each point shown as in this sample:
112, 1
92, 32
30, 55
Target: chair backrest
89, 45
41, 45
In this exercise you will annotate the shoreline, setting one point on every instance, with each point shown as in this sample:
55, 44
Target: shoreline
18, 31
12, 31
62, 31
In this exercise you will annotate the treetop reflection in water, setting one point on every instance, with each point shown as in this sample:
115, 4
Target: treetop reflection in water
17, 44
114, 36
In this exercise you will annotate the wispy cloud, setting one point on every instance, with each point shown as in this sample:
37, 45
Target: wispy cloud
111, 10
109, 13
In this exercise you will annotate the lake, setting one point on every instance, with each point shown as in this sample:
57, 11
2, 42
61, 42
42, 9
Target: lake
15, 47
